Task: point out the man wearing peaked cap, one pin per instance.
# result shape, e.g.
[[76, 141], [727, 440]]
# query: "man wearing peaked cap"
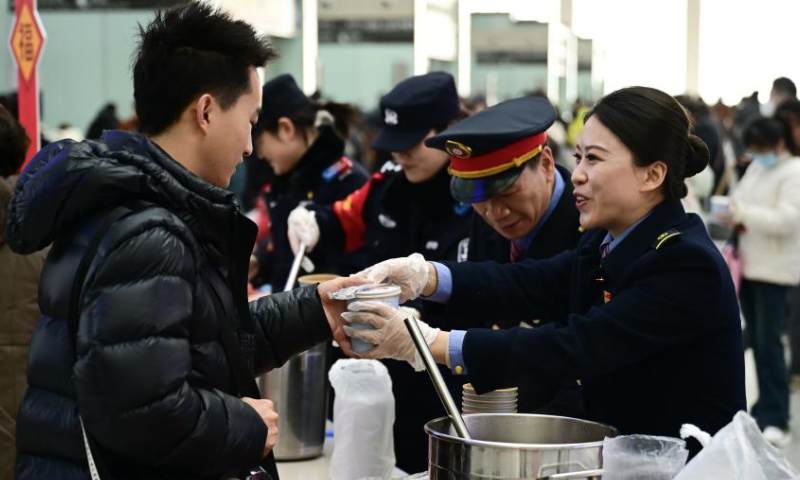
[[501, 164]]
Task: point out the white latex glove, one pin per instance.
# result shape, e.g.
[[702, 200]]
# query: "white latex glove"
[[303, 228], [390, 337], [409, 273]]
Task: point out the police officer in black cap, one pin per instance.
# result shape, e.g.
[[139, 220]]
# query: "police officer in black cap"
[[303, 141], [501, 164], [404, 208]]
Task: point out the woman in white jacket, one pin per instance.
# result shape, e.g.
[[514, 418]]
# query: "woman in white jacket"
[[765, 211]]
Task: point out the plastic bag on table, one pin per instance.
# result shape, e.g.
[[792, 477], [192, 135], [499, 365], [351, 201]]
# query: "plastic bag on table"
[[363, 416], [738, 452], [643, 457]]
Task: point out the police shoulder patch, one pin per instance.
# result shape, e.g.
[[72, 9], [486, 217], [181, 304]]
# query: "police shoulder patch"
[[665, 238]]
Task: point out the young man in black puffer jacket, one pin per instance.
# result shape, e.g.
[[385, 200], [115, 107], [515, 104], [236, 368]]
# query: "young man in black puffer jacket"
[[152, 383]]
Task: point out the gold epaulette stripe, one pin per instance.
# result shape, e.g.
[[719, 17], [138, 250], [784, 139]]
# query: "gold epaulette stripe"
[[661, 242]]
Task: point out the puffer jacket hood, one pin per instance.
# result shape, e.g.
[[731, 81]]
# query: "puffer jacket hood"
[[68, 182]]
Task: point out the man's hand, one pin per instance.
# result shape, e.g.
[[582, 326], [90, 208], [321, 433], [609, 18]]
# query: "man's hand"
[[334, 308], [266, 410], [412, 274]]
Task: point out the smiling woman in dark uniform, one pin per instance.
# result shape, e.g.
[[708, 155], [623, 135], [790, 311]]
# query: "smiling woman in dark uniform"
[[649, 318]]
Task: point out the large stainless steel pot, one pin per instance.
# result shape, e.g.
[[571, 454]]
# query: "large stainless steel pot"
[[299, 391], [516, 446]]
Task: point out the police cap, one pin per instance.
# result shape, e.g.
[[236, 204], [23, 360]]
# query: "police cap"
[[489, 149], [413, 107], [280, 97]]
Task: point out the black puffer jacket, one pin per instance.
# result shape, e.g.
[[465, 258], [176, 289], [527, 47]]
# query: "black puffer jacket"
[[152, 381]]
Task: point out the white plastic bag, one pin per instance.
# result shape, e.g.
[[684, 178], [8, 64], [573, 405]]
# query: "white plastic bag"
[[643, 457], [738, 452], [363, 416]]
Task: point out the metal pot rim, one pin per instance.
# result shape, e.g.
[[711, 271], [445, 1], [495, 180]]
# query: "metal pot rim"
[[517, 446]]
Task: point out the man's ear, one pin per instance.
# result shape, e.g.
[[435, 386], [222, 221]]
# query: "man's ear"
[[203, 108], [547, 162]]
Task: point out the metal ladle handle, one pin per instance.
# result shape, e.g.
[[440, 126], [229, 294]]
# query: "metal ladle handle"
[[436, 378], [298, 258]]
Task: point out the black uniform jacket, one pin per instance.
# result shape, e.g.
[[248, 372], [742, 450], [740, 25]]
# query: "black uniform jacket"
[[390, 217], [306, 183], [152, 382], [652, 331]]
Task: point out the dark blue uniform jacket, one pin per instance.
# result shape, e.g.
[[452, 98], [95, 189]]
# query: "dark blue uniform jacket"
[[652, 331]]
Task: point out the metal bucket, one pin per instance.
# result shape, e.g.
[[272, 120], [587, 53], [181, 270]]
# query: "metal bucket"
[[299, 390], [516, 446]]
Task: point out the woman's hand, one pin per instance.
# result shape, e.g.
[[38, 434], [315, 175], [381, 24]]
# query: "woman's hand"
[[303, 229], [390, 337], [727, 217]]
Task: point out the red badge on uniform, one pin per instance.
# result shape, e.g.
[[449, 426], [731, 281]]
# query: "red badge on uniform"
[[606, 296]]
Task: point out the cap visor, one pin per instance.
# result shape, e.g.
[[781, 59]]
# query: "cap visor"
[[482, 189], [397, 141]]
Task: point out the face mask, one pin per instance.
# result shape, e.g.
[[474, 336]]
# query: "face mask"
[[767, 160]]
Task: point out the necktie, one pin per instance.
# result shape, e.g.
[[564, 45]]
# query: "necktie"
[[516, 252]]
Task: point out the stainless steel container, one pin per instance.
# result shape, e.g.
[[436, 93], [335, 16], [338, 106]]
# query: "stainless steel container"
[[516, 446], [299, 391]]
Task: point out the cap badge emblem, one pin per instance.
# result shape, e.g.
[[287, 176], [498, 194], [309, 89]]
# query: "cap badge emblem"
[[390, 117], [458, 150]]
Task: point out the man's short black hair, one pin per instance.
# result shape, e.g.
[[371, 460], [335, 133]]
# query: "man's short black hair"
[[188, 51], [785, 86]]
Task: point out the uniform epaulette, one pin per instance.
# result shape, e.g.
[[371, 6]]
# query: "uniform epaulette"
[[667, 237]]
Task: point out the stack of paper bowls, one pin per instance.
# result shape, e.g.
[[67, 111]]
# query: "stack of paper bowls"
[[496, 401]]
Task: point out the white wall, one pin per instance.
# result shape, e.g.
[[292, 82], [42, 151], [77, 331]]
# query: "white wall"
[[644, 41], [744, 46], [360, 73], [85, 63]]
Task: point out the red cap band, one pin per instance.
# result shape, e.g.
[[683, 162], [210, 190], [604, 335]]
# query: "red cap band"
[[498, 161]]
